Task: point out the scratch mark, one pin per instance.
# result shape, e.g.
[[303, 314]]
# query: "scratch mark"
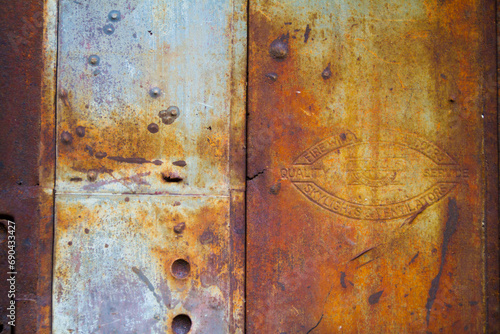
[[364, 264], [410, 220], [309, 331], [134, 178], [205, 105], [361, 254], [400, 80], [306, 112], [414, 258], [450, 229], [409, 100], [150, 286]]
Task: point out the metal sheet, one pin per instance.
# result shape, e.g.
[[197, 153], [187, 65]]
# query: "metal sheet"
[[27, 58], [151, 102], [366, 193], [117, 76], [115, 272]]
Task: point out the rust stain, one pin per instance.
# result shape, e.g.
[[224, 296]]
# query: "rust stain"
[[450, 229], [359, 216]]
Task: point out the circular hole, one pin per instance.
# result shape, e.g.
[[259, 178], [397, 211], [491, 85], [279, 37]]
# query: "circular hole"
[[180, 269], [181, 324]]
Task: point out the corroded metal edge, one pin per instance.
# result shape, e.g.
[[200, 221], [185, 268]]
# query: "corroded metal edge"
[[27, 150], [491, 63], [47, 166]]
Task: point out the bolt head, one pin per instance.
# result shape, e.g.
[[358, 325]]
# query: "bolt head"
[[92, 176], [114, 15], [155, 92], [94, 60], [66, 137]]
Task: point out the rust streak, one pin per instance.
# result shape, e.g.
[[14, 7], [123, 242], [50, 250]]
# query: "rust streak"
[[451, 227], [143, 278]]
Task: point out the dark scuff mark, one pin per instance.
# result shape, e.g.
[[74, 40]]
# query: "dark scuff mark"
[[450, 229], [342, 279], [90, 150], [136, 160], [76, 179], [101, 155], [150, 286], [310, 331], [306, 34], [414, 258], [326, 74], [180, 163], [374, 298]]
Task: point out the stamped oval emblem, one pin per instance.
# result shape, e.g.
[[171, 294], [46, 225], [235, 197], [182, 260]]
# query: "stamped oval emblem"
[[386, 175]]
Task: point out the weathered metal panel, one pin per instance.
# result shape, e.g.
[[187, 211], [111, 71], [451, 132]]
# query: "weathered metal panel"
[[366, 166], [150, 166], [117, 79], [114, 263], [27, 84]]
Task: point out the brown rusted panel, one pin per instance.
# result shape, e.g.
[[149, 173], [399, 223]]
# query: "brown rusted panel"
[[23, 196], [366, 167]]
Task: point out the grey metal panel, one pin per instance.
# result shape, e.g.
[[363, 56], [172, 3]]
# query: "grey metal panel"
[[183, 48], [113, 263]]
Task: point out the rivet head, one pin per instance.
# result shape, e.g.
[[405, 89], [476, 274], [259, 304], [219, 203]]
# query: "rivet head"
[[275, 188], [170, 115], [80, 131], [179, 228], [115, 15], [272, 76], [66, 137], [153, 128], [94, 60], [327, 72], [155, 92], [108, 29], [92, 175], [279, 47]]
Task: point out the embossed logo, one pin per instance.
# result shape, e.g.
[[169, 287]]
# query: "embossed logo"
[[386, 175]]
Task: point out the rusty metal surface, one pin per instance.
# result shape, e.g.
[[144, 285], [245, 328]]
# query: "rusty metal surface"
[[117, 90], [150, 167], [25, 193], [114, 272], [366, 167]]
